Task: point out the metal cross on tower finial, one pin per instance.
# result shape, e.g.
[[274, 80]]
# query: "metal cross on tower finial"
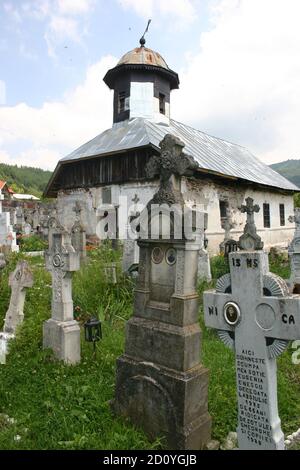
[[250, 240], [143, 40]]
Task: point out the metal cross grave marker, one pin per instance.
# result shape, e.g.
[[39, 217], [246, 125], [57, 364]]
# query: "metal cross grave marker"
[[255, 315]]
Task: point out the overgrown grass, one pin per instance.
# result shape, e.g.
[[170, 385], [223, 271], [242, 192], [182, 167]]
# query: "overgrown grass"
[[59, 407], [32, 243]]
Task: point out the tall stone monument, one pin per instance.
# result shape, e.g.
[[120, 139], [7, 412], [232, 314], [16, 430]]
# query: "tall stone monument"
[[62, 333], [161, 384], [255, 316], [294, 253]]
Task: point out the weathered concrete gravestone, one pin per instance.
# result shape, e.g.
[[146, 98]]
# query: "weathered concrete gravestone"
[[255, 315], [20, 279], [161, 384], [62, 333], [294, 253], [27, 229], [110, 273]]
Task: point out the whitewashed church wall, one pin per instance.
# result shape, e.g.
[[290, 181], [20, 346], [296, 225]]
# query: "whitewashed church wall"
[[196, 190], [207, 194]]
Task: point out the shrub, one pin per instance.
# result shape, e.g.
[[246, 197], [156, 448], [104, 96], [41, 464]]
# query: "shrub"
[[32, 243], [219, 266]]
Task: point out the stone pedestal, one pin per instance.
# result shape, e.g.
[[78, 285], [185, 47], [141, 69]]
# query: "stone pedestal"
[[164, 402], [161, 385], [63, 337]]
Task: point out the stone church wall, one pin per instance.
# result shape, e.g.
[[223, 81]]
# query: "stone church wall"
[[203, 192]]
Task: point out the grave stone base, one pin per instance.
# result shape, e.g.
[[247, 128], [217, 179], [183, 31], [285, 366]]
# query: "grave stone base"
[[164, 402], [64, 339]]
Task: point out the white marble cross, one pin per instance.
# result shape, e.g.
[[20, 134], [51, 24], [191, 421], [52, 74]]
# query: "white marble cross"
[[255, 315], [61, 332], [20, 279]]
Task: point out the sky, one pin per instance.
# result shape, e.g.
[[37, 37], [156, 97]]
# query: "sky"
[[237, 60]]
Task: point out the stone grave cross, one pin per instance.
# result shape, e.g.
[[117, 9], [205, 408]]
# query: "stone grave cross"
[[20, 279], [62, 332], [250, 240], [255, 315], [78, 233]]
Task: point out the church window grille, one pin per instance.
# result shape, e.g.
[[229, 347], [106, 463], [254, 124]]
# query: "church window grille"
[[121, 103], [282, 214], [162, 103], [266, 214]]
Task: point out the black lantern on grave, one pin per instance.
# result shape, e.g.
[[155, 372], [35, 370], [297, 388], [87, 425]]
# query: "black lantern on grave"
[[93, 331]]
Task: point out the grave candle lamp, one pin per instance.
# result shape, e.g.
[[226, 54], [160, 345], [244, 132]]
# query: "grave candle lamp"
[[93, 331]]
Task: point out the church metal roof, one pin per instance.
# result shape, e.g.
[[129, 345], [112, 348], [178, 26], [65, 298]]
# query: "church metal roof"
[[212, 154]]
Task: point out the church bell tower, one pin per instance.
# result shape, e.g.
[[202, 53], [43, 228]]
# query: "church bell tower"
[[142, 84]]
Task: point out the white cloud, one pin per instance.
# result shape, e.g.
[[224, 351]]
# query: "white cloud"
[[64, 19], [183, 10], [61, 29], [12, 11], [74, 7], [2, 92], [41, 136], [243, 84]]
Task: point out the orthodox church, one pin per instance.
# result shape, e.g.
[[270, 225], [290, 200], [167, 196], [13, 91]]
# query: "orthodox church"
[[112, 165]]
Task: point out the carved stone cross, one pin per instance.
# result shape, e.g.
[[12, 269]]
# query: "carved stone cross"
[[78, 233], [170, 165], [250, 240], [20, 279], [61, 332], [254, 315]]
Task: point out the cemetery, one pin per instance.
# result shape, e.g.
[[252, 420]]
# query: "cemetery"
[[150, 283], [94, 358]]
